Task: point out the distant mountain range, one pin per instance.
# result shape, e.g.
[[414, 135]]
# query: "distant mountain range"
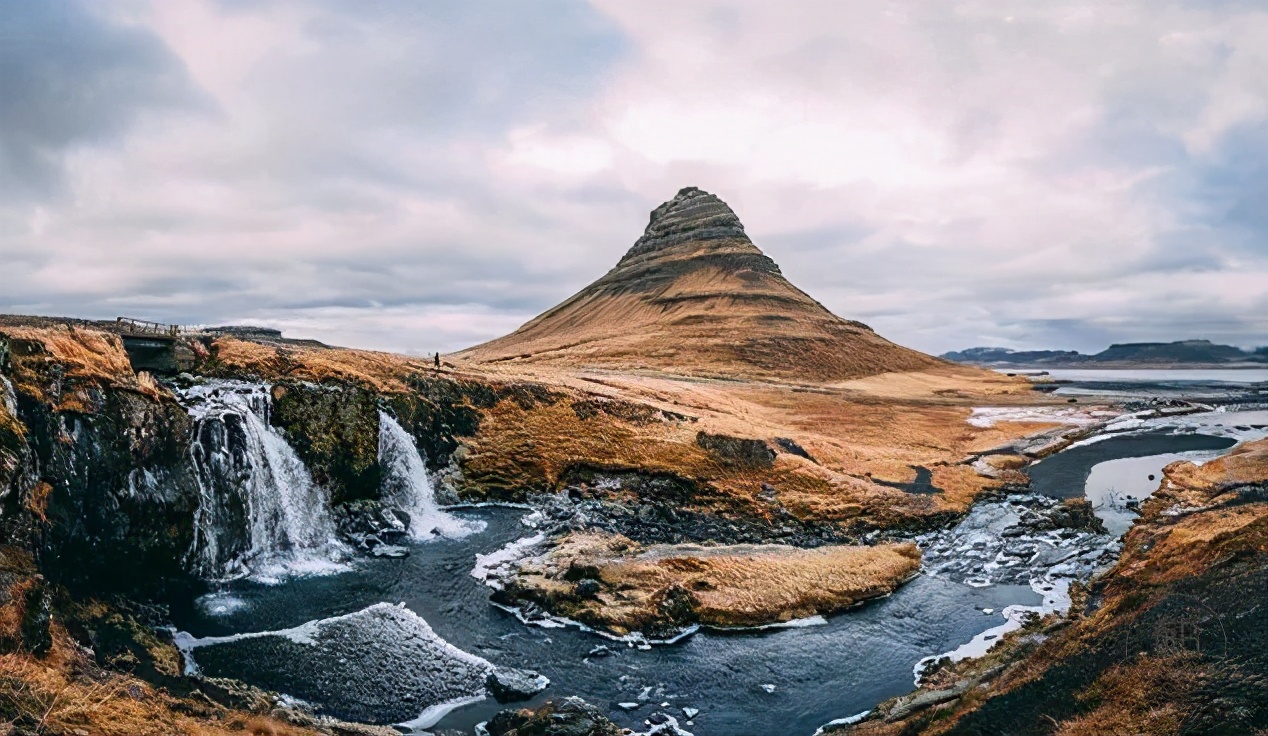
[[1183, 352]]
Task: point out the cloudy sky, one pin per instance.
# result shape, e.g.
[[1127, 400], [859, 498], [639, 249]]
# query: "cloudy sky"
[[416, 176]]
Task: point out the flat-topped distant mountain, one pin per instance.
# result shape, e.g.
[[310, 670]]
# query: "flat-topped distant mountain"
[[1180, 353], [695, 296]]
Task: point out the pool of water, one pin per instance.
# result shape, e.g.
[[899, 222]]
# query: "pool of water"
[[1065, 475]]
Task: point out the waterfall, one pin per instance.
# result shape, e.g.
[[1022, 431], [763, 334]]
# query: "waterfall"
[[260, 513], [406, 486]]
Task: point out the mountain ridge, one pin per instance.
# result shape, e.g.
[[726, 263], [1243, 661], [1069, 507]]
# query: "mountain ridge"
[[1179, 352]]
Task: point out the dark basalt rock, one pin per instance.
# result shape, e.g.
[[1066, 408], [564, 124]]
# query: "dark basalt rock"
[[508, 685], [693, 214], [367, 525], [792, 448], [588, 588], [737, 450], [37, 615], [107, 490], [567, 717], [335, 431]]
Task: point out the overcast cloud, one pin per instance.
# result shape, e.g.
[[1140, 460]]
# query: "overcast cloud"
[[422, 176]]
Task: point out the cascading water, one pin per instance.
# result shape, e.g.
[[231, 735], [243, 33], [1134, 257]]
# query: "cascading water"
[[260, 513], [406, 487]]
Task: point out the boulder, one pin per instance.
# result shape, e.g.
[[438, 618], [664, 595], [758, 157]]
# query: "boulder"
[[567, 717], [508, 685]]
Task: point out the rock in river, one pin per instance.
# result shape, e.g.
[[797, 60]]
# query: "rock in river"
[[508, 685]]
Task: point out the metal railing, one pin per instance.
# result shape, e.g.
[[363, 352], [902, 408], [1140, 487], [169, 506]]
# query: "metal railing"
[[130, 326]]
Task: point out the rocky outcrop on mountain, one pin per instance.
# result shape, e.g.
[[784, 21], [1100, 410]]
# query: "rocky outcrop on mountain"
[[693, 214], [694, 295]]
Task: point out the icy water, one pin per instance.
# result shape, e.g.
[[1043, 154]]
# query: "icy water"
[[1115, 486], [1217, 386], [818, 673], [1159, 375]]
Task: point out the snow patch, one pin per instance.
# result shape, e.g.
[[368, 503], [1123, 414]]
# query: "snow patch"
[[989, 416], [492, 568]]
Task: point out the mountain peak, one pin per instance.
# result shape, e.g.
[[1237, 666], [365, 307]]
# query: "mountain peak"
[[695, 296], [693, 214]]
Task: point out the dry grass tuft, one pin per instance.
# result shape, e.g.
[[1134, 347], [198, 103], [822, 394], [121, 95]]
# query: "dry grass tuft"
[[84, 352], [37, 500], [385, 372], [66, 693], [1140, 698]]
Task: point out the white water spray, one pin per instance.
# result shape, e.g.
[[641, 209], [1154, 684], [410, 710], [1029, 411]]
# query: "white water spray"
[[260, 513], [406, 486]]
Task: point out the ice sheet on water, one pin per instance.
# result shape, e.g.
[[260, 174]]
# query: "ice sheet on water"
[[1056, 599], [383, 660], [491, 568]]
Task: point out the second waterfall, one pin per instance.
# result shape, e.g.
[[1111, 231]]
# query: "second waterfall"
[[406, 486]]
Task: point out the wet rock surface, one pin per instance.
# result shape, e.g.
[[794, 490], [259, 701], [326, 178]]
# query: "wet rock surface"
[[335, 430], [369, 525], [654, 522], [1018, 539], [574, 717], [508, 685], [132, 511]]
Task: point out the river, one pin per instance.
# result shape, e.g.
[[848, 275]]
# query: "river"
[[754, 683]]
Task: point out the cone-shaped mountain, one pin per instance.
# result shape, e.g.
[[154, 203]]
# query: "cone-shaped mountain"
[[695, 296]]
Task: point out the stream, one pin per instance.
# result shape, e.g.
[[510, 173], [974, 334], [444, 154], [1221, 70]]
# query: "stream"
[[337, 647]]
